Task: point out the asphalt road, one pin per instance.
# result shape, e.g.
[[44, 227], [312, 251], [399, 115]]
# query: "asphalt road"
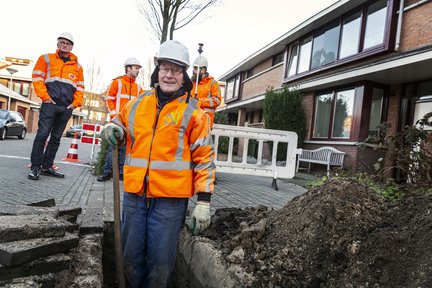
[[16, 188]]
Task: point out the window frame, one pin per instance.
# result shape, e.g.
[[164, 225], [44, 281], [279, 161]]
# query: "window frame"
[[388, 41], [330, 131], [236, 90], [360, 114]]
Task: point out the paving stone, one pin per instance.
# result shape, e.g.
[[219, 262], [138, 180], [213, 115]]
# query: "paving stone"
[[18, 252], [28, 210], [21, 227], [66, 209], [44, 203], [44, 265], [91, 221]]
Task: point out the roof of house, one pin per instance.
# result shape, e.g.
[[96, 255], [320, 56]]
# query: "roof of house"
[[278, 45], [22, 71]]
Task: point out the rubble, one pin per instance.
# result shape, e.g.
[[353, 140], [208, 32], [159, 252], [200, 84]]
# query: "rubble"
[[342, 234], [41, 246]]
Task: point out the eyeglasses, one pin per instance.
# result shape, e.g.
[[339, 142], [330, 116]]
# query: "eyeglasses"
[[65, 43], [175, 71]]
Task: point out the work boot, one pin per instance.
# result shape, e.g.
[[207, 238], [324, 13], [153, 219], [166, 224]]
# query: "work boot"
[[34, 174], [104, 177], [51, 172]]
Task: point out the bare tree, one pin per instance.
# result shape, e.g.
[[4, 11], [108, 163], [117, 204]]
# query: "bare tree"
[[144, 75], [166, 16], [94, 87]]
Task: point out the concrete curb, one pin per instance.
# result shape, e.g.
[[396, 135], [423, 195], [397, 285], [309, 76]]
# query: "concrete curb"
[[199, 264]]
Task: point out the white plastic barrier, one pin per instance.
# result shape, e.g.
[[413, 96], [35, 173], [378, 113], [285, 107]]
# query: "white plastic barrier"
[[261, 168]]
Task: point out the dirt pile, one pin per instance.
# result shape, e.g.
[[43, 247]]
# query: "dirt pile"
[[339, 235]]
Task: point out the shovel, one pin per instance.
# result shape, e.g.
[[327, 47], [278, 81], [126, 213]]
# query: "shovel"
[[117, 232]]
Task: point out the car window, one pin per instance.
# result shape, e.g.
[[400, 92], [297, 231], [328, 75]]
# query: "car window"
[[3, 114], [12, 117], [18, 117]]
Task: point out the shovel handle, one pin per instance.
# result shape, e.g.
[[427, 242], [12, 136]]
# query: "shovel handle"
[[117, 231]]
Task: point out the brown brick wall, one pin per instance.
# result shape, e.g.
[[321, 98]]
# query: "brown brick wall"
[[259, 84], [416, 27], [262, 66]]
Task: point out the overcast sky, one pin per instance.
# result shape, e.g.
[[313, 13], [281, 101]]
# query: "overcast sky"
[[109, 31]]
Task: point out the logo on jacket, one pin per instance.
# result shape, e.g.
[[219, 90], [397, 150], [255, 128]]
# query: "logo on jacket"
[[172, 119], [72, 76]]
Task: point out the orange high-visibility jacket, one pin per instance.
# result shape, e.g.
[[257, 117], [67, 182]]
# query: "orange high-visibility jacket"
[[209, 95], [172, 148], [122, 90], [63, 82]]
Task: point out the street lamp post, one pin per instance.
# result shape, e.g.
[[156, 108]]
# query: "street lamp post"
[[11, 71]]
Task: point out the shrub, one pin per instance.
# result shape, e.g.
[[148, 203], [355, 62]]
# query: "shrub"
[[283, 110]]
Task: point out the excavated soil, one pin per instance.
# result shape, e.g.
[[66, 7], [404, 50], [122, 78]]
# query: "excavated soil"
[[341, 234]]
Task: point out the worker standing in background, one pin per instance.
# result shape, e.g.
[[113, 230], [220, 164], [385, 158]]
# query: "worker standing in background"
[[121, 91], [208, 92], [59, 81]]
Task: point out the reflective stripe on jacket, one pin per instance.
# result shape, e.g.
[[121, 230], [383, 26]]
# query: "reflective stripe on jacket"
[[209, 95], [63, 82], [172, 146], [122, 90]]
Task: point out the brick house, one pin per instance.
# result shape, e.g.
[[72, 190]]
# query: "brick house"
[[358, 63]]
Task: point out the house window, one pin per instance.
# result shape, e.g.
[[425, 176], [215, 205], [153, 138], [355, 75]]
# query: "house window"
[[333, 115], [25, 89], [305, 55], [292, 64], [325, 46], [249, 73], [229, 89], [375, 24], [278, 58], [233, 88], [350, 35], [17, 87], [376, 111], [362, 33]]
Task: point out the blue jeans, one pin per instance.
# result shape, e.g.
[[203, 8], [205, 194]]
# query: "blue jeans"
[[52, 120], [108, 160], [150, 235]]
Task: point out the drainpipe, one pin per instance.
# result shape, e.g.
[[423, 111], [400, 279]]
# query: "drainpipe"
[[399, 25]]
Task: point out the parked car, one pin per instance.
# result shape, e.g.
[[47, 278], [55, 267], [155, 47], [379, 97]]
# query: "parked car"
[[78, 129], [12, 124]]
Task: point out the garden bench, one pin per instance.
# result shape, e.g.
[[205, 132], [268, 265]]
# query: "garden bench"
[[325, 155]]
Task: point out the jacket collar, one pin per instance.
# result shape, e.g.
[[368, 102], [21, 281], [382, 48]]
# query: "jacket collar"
[[72, 56], [128, 79]]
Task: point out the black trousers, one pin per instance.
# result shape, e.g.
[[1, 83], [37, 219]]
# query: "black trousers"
[[52, 120]]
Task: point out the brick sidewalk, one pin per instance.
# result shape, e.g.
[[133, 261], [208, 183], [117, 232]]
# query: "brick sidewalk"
[[80, 188]]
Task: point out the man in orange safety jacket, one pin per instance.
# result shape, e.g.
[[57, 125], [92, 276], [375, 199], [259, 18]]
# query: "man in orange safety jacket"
[[121, 91], [58, 80], [169, 159], [208, 92]]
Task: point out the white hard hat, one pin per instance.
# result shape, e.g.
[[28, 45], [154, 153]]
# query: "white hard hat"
[[173, 51], [67, 36], [132, 61], [200, 61]]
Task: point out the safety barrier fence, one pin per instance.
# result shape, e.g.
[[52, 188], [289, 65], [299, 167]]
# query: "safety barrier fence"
[[254, 151]]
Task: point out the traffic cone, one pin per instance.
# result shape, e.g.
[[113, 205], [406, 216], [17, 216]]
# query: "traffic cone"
[[72, 155]]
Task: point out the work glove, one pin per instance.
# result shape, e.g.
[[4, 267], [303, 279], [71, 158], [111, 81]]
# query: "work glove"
[[113, 134], [200, 217]]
